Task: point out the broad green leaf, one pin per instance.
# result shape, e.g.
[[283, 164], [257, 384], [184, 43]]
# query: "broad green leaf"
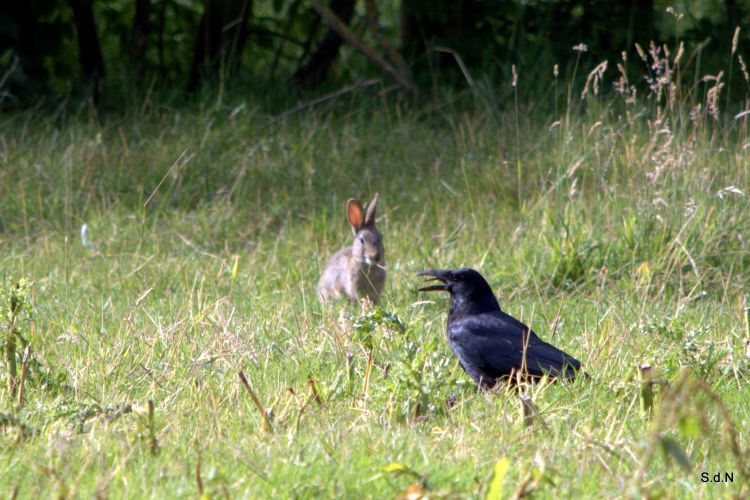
[[235, 266], [395, 467], [496, 486]]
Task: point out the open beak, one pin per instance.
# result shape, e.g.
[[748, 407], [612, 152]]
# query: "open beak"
[[436, 275]]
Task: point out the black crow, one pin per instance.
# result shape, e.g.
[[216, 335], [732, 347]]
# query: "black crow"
[[489, 344]]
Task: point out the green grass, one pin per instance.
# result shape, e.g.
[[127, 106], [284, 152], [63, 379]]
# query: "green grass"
[[212, 225]]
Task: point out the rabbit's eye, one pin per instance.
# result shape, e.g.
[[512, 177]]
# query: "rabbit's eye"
[[361, 239]]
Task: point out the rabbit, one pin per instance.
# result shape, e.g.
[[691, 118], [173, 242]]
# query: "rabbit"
[[358, 271]]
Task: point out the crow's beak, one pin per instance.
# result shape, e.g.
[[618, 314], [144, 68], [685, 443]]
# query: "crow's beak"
[[436, 275]]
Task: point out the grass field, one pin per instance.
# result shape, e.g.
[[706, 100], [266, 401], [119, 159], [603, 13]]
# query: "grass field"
[[617, 230]]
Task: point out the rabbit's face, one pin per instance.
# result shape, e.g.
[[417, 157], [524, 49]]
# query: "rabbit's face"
[[368, 247]]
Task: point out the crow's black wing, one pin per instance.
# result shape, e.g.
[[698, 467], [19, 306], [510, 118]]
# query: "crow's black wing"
[[540, 356], [483, 358], [492, 345]]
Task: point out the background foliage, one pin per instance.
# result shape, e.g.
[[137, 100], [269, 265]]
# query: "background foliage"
[[110, 49]]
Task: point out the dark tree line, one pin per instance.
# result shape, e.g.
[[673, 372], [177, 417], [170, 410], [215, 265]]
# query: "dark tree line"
[[77, 45]]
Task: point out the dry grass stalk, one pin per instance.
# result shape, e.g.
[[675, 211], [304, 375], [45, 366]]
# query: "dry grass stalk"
[[266, 421]]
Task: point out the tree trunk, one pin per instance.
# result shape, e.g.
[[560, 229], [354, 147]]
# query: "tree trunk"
[[160, 40], [24, 25], [89, 50], [312, 73], [141, 25], [416, 28], [640, 25], [459, 25], [221, 37], [734, 14]]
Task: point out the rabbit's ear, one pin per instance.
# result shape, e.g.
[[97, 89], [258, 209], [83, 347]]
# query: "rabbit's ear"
[[355, 214], [371, 208]]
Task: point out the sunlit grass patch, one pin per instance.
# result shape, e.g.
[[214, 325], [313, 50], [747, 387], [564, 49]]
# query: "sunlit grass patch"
[[624, 242]]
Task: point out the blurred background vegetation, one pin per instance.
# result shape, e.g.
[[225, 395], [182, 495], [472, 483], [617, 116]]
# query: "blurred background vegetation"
[[110, 50]]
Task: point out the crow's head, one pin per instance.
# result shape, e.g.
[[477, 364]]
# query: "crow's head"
[[454, 280], [469, 291]]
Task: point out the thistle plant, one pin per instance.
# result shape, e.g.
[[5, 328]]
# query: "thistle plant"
[[15, 310]]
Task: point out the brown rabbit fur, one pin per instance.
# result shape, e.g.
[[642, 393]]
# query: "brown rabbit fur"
[[357, 271]]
